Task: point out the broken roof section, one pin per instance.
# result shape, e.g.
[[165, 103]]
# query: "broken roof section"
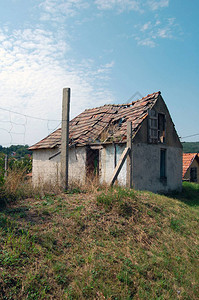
[[188, 158], [103, 124]]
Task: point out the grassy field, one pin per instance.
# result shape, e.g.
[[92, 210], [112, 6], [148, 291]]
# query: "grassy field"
[[109, 244]]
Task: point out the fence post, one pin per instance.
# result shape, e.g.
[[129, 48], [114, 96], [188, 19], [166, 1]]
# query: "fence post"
[[129, 157], [65, 137], [6, 165]]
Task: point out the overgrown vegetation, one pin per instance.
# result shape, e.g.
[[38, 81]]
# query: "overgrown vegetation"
[[13, 180], [190, 147], [18, 158], [108, 244], [18, 151], [15, 186]]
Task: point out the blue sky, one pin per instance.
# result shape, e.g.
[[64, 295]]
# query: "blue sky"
[[106, 51]]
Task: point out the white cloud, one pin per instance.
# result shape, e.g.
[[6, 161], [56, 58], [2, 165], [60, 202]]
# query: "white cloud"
[[157, 4], [55, 10], [106, 68], [120, 5], [150, 32], [145, 26], [2, 36], [128, 5], [33, 72], [146, 42]]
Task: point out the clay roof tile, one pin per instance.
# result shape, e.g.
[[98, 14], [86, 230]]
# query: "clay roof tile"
[[109, 120]]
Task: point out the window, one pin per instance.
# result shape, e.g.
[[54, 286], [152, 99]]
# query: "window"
[[163, 164], [193, 174], [156, 127]]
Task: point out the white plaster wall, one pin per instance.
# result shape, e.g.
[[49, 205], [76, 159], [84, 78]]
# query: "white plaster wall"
[[45, 170], [146, 168], [122, 174], [107, 164], [77, 164], [48, 171]]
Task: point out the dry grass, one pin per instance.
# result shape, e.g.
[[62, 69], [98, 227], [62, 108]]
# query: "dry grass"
[[91, 186], [17, 185], [14, 180], [104, 244]]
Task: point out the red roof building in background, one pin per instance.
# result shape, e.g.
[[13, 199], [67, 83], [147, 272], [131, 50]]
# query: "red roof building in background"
[[190, 167]]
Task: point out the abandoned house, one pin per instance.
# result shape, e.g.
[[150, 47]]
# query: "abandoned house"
[[190, 167], [98, 138]]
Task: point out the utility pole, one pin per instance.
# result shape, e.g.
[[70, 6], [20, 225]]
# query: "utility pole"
[[129, 157], [65, 137]]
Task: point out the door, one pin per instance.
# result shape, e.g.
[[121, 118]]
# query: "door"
[[92, 163]]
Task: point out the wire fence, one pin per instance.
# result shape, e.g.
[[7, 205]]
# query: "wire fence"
[[16, 128], [13, 127]]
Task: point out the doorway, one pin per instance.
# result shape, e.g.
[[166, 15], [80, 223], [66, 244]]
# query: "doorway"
[[92, 163]]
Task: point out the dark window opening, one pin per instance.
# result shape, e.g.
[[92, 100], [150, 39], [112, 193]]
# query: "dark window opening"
[[193, 174], [161, 128], [120, 122], [92, 163], [163, 164]]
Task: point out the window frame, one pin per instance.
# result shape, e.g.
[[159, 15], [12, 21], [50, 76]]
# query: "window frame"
[[152, 126], [154, 129]]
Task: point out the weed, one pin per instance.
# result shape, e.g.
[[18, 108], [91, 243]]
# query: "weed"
[[177, 225], [75, 190], [117, 197], [116, 232], [125, 209]]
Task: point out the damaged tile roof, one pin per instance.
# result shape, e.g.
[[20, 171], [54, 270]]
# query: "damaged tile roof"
[[102, 124], [188, 158]]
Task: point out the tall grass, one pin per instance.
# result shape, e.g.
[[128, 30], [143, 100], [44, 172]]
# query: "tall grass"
[[16, 185]]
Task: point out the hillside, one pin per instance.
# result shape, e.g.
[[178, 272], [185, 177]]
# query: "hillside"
[[190, 147], [17, 151], [109, 244]]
